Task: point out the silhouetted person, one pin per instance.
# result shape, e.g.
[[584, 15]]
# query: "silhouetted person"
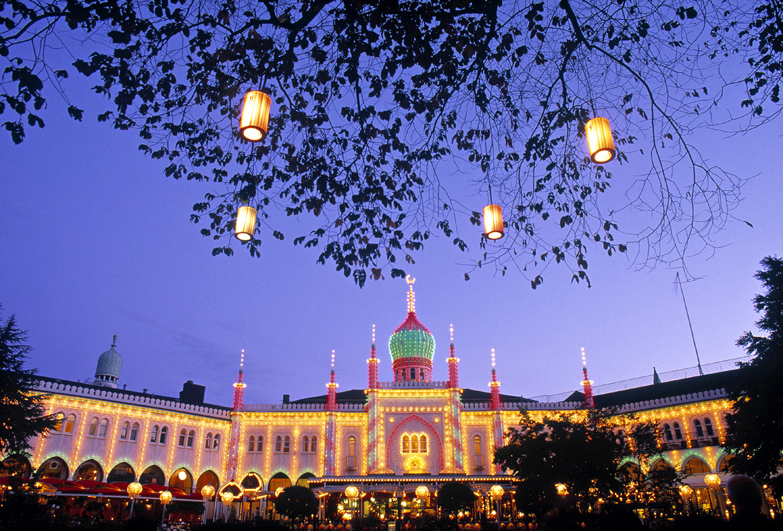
[[745, 494]]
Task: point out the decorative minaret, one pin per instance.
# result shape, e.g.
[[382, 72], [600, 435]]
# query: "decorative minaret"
[[331, 424], [497, 416], [452, 423], [412, 346], [587, 385], [453, 362], [372, 365], [234, 443], [374, 418], [494, 386]]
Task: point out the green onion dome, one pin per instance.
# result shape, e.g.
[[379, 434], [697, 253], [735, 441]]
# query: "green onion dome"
[[411, 340]]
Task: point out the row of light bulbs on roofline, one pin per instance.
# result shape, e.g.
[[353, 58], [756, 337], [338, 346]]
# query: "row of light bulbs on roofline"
[[254, 123]]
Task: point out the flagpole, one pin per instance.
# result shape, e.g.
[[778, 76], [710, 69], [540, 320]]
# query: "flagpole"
[[688, 315]]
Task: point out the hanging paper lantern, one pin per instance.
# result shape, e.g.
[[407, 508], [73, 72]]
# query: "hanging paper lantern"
[[493, 222], [254, 121], [599, 140], [246, 223]]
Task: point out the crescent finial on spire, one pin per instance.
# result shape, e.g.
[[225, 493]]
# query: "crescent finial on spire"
[[411, 295]]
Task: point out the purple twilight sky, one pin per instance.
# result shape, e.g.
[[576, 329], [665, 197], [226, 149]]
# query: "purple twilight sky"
[[95, 241]]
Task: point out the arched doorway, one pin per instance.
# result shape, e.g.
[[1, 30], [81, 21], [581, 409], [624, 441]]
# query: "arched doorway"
[[182, 479], [153, 474], [207, 478], [89, 470], [121, 472], [53, 468], [279, 480], [694, 465], [302, 481], [16, 465]]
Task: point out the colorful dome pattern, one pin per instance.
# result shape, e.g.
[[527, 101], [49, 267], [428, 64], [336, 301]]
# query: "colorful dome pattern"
[[411, 340]]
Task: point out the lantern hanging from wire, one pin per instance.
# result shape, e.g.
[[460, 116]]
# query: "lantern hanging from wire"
[[599, 140], [254, 122], [245, 226], [493, 222]]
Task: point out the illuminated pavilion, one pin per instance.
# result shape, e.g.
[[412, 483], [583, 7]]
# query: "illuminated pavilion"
[[387, 439]]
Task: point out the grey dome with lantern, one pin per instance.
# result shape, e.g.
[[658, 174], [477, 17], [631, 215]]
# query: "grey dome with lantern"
[[107, 373]]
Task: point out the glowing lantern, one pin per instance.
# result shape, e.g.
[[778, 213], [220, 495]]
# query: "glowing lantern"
[[227, 498], [422, 492], [496, 492], [686, 491], [254, 121], [245, 226], [207, 491], [562, 490], [351, 492], [712, 480], [134, 489], [599, 140], [182, 475], [165, 497], [493, 222]]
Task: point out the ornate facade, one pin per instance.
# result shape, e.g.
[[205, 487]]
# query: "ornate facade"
[[388, 437]]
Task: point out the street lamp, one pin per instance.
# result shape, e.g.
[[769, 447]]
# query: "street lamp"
[[423, 494], [351, 493], [497, 494], [227, 498], [207, 491], [713, 482], [134, 489], [165, 499]]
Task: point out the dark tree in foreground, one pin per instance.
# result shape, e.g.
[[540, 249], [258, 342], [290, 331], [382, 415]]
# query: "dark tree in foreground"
[[21, 409], [454, 497], [297, 502], [756, 421], [393, 121], [582, 453]]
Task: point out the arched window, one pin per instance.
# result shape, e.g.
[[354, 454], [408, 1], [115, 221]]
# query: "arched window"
[[103, 428], [313, 444], [677, 431], [182, 436], [251, 444], [208, 446], [163, 432], [216, 442], [423, 444], [278, 444], [191, 437], [406, 444], [69, 423], [414, 444], [667, 432], [478, 457], [352, 446], [708, 427], [93, 430], [134, 431], [58, 419], [260, 443], [124, 431], [154, 434], [286, 444], [305, 444], [699, 429]]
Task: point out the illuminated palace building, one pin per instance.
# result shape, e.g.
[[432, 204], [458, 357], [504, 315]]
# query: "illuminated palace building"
[[387, 439]]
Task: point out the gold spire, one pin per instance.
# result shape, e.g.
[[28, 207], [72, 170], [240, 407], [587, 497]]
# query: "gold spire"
[[411, 295]]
